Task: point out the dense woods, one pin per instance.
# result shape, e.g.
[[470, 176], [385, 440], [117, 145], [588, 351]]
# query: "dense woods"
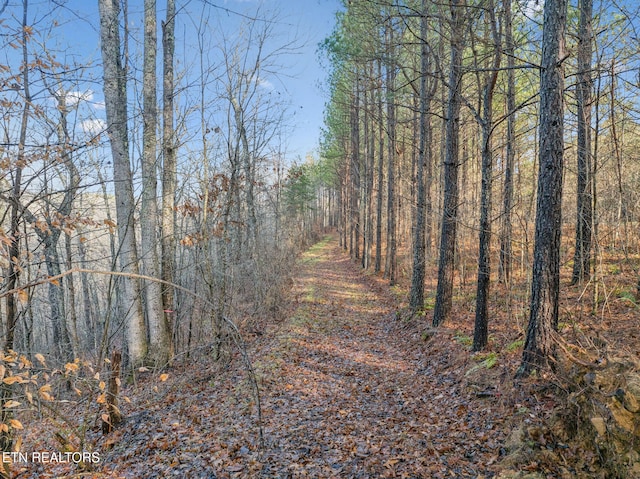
[[497, 116], [478, 156], [180, 195]]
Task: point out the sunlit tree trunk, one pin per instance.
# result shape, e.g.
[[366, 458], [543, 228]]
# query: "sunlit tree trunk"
[[158, 334], [115, 95]]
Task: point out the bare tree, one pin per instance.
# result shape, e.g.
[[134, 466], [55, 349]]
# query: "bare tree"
[[169, 166], [115, 89], [158, 333]]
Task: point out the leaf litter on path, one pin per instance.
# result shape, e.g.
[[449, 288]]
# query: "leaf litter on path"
[[347, 391]]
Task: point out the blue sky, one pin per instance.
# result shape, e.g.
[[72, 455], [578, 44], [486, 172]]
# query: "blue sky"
[[300, 77]]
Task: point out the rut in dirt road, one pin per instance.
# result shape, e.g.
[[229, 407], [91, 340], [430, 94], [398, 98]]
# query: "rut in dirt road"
[[356, 396]]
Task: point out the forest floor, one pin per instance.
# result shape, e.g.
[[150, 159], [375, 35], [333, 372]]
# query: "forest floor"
[[349, 388]]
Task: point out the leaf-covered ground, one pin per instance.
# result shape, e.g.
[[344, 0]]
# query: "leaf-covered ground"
[[345, 391], [348, 389]]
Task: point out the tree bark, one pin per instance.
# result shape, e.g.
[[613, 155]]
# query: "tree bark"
[[158, 334], [444, 291], [115, 96], [506, 251], [391, 259], [545, 288], [416, 294], [584, 210], [169, 169], [380, 183], [481, 327]]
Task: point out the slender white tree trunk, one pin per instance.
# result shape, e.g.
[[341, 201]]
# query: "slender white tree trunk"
[[115, 95], [158, 334]]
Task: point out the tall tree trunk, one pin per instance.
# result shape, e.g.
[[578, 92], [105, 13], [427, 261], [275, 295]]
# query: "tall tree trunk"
[[506, 251], [13, 274], [366, 174], [356, 168], [444, 291], [584, 220], [391, 259], [545, 288], [378, 261], [115, 95], [158, 333], [481, 328], [169, 169], [416, 295]]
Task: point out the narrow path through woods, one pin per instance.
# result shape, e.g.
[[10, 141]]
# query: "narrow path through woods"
[[347, 391], [348, 395]]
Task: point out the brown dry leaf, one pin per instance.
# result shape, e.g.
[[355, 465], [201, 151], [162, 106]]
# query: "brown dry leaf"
[[15, 424], [71, 367], [23, 296], [44, 392], [41, 359]]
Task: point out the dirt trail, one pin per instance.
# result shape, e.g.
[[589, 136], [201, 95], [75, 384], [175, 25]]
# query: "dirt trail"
[[347, 391], [350, 395]]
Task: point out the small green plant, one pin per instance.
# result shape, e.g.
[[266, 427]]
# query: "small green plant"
[[517, 344], [627, 296], [429, 303], [463, 339], [489, 360], [398, 291]]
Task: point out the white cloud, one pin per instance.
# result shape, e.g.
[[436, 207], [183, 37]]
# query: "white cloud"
[[532, 7], [266, 84], [93, 126], [72, 98]]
